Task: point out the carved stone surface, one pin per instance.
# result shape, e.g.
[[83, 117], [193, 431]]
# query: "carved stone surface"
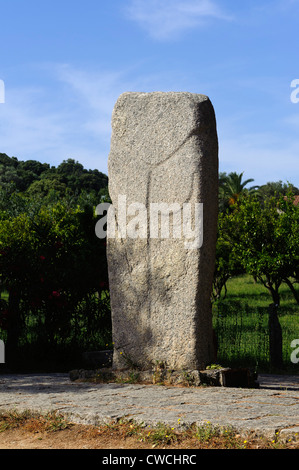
[[164, 149]]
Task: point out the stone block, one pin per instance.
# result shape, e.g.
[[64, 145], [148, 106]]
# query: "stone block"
[[163, 182], [97, 359]]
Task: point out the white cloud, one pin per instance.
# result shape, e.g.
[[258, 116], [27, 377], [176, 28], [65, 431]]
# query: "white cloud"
[[25, 124], [68, 115], [164, 19], [94, 92], [57, 121]]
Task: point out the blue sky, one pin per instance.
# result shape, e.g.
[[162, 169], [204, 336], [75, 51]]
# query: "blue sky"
[[64, 63]]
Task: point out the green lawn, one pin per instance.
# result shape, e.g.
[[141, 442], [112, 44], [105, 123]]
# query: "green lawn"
[[241, 324]]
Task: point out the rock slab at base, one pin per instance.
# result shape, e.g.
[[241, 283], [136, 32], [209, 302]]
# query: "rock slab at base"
[[225, 377], [164, 149], [97, 359]]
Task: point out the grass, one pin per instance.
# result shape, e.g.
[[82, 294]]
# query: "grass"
[[241, 324], [204, 436], [32, 422], [137, 435]]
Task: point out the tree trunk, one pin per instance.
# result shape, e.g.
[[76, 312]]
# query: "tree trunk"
[[13, 330], [289, 283], [275, 338]]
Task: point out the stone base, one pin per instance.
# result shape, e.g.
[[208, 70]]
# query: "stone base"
[[97, 359], [224, 377]]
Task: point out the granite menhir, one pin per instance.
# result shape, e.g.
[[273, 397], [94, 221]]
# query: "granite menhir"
[[162, 227]]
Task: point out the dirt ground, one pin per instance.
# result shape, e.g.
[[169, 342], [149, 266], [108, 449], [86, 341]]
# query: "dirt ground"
[[78, 437], [28, 436]]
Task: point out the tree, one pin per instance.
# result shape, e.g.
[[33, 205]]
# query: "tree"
[[276, 189], [226, 264], [50, 262], [79, 179], [42, 187], [231, 188], [40, 180], [34, 166], [265, 240]]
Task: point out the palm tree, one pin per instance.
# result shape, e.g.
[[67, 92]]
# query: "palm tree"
[[231, 188]]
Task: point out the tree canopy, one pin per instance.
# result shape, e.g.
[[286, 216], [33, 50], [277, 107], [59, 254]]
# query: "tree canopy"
[[40, 179]]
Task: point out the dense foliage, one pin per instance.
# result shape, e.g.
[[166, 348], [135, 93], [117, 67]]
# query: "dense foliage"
[[53, 269], [258, 232], [40, 179]]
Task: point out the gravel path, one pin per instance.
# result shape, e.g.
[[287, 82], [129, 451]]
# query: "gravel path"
[[271, 408]]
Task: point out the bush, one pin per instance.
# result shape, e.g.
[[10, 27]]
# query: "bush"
[[54, 274]]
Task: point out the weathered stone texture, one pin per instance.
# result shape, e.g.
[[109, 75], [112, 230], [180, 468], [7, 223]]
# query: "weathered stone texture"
[[164, 148]]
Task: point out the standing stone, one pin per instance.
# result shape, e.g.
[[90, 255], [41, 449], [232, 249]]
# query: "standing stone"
[[164, 149]]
